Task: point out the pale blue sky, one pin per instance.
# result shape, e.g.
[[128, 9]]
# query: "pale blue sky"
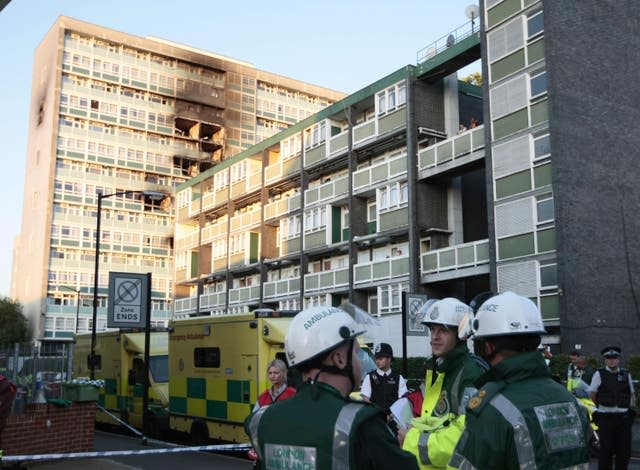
[[340, 44]]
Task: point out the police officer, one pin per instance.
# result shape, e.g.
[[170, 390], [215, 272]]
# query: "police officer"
[[612, 391], [320, 427], [520, 417], [448, 386], [383, 386]]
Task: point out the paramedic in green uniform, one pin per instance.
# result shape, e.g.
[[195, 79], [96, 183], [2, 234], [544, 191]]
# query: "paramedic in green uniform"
[[521, 417], [320, 427]]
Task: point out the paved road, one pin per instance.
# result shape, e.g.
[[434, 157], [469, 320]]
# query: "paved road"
[[179, 461]]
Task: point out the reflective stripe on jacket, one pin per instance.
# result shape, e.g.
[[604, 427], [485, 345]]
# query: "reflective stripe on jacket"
[[521, 418], [433, 436]]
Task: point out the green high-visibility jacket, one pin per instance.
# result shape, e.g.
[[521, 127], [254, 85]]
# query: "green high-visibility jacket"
[[433, 436], [522, 418], [320, 429]]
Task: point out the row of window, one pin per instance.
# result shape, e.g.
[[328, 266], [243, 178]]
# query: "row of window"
[[143, 137], [111, 237], [145, 262], [166, 62], [108, 214], [291, 94], [85, 280]]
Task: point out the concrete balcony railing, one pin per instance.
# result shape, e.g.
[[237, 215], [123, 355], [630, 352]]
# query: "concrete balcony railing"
[[214, 231], [274, 290], [246, 220], [452, 148], [371, 176], [187, 241], [282, 169], [213, 300], [328, 191], [244, 295], [282, 207], [364, 131], [326, 280], [455, 257], [213, 199], [185, 306], [381, 270]]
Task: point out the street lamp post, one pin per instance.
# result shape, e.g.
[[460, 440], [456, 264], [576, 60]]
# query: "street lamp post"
[[77, 291], [153, 195]]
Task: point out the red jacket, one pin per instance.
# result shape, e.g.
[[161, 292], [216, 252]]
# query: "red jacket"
[[265, 397]]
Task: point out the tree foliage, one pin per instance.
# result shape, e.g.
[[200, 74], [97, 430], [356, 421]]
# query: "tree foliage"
[[474, 78], [13, 324]]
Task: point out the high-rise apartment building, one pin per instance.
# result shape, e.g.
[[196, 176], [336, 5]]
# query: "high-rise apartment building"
[[117, 113], [560, 83]]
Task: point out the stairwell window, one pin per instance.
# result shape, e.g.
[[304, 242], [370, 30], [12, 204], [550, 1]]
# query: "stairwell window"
[[541, 147], [535, 25], [548, 276], [545, 209], [538, 84]]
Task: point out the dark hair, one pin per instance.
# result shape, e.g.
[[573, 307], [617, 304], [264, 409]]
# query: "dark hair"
[[575, 353], [515, 343]]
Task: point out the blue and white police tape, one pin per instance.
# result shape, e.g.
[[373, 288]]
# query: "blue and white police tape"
[[123, 453]]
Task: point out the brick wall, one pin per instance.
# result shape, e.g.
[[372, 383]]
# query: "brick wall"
[[46, 428]]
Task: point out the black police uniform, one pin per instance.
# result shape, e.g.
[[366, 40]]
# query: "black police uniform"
[[613, 414], [384, 389]]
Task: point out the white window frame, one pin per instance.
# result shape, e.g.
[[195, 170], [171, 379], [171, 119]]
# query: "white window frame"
[[535, 34], [533, 147], [390, 297], [392, 196], [391, 99], [315, 219], [315, 135], [532, 77], [542, 199], [541, 267]]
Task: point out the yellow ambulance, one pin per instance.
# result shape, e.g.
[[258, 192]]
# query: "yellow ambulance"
[[217, 369], [120, 364]]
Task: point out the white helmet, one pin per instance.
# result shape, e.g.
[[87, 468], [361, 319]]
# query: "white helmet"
[[317, 330], [448, 312], [507, 314]]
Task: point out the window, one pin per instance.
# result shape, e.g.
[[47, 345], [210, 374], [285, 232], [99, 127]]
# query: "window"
[[548, 276], [316, 134], [290, 227], [538, 84], [535, 25], [345, 216], [391, 99], [206, 357], [541, 146], [372, 212], [315, 219], [545, 208], [390, 298], [393, 196]]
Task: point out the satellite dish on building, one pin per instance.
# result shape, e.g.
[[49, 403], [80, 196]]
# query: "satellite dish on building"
[[472, 12]]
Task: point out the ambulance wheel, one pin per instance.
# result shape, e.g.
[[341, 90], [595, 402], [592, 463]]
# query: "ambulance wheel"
[[199, 433]]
